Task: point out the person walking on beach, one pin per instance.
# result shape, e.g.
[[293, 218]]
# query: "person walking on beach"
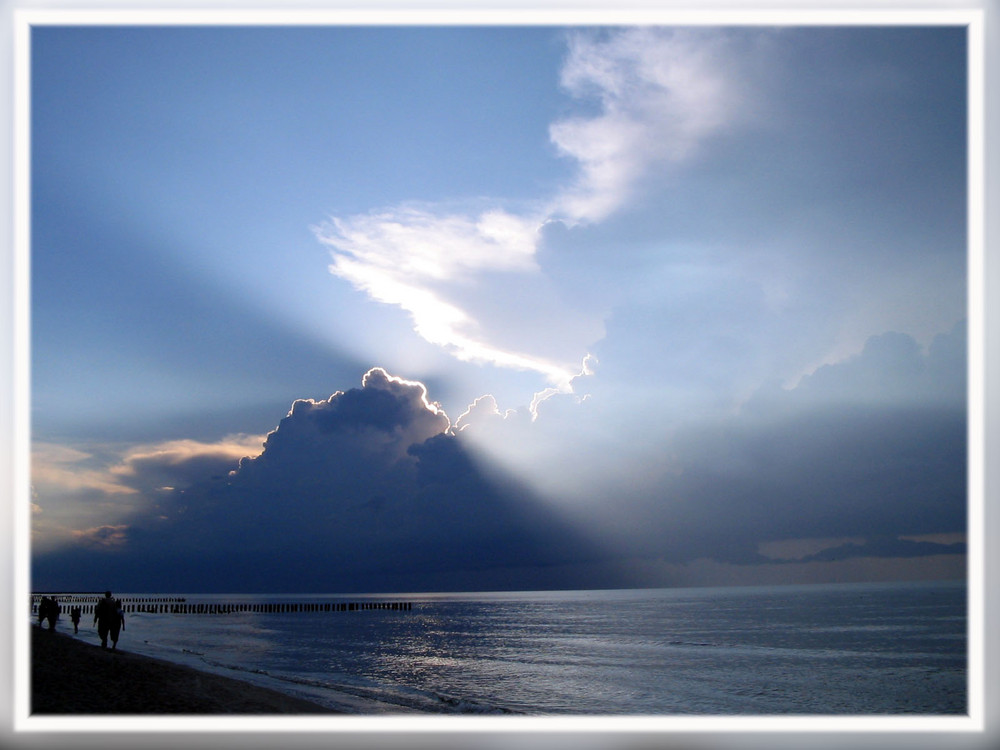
[[74, 615], [43, 610], [109, 619], [119, 622], [51, 611]]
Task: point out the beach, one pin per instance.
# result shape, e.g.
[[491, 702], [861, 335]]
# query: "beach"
[[69, 676]]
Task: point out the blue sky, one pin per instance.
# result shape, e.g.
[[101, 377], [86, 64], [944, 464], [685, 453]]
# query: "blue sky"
[[555, 306]]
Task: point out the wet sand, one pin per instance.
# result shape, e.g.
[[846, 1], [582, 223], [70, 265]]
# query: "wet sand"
[[69, 676]]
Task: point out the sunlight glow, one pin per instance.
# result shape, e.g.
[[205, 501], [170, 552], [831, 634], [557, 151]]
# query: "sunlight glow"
[[661, 93], [377, 377], [175, 452], [434, 319], [58, 468], [103, 536]]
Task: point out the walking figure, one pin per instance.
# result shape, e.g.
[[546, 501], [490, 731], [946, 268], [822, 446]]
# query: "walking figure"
[[119, 622], [43, 610], [110, 619], [48, 609], [74, 615]]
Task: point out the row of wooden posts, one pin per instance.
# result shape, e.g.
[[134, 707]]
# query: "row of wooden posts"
[[182, 607]]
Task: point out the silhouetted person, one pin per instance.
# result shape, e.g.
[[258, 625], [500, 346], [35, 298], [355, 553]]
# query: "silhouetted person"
[[74, 615], [43, 610], [109, 619], [117, 624], [54, 610]]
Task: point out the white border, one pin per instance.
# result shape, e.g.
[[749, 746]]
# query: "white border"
[[493, 16], [972, 18], [400, 724], [976, 409], [21, 364]]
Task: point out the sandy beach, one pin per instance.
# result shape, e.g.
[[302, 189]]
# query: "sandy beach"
[[69, 676]]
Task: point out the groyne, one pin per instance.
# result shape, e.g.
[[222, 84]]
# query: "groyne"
[[180, 605]]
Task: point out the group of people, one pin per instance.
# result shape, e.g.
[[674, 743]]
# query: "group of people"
[[109, 616]]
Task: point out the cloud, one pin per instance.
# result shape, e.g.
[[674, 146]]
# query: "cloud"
[[471, 279], [662, 93], [385, 417], [890, 370], [103, 536], [175, 463], [870, 446], [483, 411], [376, 488], [874, 446], [885, 547], [90, 496], [431, 246], [60, 468], [788, 551], [180, 463], [368, 488], [453, 272], [444, 267]]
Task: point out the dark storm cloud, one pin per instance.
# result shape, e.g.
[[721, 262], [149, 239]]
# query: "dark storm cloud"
[[373, 488], [368, 489], [831, 472], [872, 447]]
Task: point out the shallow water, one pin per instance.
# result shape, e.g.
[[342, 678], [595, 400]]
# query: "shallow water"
[[827, 649]]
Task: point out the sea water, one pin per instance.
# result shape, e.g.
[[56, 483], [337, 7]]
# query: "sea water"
[[818, 649]]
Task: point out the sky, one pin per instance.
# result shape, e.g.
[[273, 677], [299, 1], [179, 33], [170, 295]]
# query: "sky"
[[412, 308]]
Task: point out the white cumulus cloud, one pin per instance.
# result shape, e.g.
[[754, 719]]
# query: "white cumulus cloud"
[[660, 93]]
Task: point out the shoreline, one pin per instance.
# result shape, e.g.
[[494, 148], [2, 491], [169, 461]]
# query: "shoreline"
[[72, 677]]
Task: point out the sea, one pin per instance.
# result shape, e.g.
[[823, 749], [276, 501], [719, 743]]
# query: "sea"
[[830, 649]]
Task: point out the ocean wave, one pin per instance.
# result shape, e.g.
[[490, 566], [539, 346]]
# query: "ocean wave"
[[404, 697]]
